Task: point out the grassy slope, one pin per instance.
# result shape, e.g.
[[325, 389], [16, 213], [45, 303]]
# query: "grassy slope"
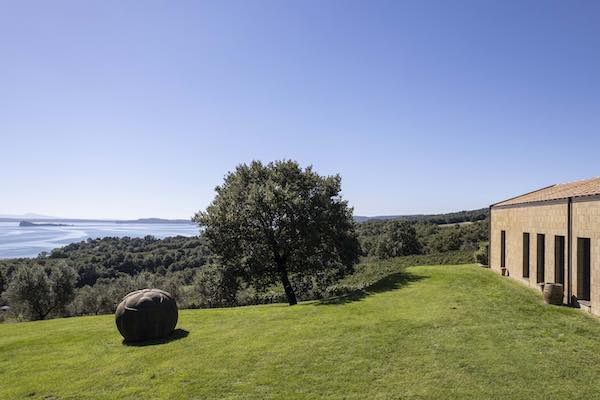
[[443, 332]]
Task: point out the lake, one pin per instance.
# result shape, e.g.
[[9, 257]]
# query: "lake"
[[16, 241]]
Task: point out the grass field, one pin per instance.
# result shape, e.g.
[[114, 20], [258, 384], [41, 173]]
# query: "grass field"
[[440, 332]]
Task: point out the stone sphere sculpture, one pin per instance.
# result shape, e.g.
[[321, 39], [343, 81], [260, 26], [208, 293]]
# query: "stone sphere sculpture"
[[146, 314]]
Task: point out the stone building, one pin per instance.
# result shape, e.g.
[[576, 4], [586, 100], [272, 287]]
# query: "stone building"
[[551, 235]]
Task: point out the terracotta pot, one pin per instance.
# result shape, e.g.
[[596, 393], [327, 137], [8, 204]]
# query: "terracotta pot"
[[553, 293]]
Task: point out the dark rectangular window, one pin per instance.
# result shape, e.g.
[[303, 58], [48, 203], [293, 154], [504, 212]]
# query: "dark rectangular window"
[[526, 255], [559, 259], [503, 249], [583, 268], [541, 258]]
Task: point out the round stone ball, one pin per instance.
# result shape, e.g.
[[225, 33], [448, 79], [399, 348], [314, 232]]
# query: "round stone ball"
[[146, 314]]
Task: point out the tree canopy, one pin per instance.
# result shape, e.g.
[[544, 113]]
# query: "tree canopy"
[[399, 239], [39, 292], [276, 220]]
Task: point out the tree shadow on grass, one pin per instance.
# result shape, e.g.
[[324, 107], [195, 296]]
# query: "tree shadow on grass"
[[390, 282], [176, 335]]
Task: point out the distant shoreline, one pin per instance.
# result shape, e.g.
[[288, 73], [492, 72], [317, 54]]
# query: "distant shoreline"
[[31, 241], [39, 221]]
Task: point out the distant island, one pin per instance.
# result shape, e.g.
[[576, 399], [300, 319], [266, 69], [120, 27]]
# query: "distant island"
[[29, 224]]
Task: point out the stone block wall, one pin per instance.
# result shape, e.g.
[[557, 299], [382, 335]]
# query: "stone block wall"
[[549, 219]]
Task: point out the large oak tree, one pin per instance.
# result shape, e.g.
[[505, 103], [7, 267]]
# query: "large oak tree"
[[278, 220]]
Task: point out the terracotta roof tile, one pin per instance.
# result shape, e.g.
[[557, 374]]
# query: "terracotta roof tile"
[[586, 187]]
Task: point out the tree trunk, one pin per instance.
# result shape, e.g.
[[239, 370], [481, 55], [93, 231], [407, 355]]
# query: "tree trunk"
[[287, 286]]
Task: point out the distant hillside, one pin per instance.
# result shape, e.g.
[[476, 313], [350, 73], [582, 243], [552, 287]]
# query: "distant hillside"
[[438, 219], [154, 221]]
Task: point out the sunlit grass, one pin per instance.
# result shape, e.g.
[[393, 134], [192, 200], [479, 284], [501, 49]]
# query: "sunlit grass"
[[441, 332]]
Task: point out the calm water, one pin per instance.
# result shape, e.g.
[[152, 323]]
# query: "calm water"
[[18, 241]]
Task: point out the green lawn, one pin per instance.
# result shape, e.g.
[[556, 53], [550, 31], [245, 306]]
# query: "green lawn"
[[440, 332]]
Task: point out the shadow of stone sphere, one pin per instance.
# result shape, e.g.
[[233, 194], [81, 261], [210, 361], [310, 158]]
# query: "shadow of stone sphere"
[[176, 335]]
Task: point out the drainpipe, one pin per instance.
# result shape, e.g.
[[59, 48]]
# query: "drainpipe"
[[490, 238], [570, 249]]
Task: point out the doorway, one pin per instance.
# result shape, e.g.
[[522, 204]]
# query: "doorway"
[[541, 258], [525, 255], [559, 259], [583, 269], [502, 249]]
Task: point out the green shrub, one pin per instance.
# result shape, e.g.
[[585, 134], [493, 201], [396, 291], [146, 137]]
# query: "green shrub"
[[481, 255], [215, 286], [39, 292]]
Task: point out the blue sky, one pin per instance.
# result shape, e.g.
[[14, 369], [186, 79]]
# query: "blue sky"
[[124, 109]]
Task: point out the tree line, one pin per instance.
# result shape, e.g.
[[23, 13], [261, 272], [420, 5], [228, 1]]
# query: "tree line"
[[386, 239], [437, 219]]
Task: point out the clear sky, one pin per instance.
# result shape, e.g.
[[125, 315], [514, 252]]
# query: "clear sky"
[[126, 109]]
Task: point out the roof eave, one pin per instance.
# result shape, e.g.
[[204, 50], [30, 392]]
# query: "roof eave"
[[521, 195]]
